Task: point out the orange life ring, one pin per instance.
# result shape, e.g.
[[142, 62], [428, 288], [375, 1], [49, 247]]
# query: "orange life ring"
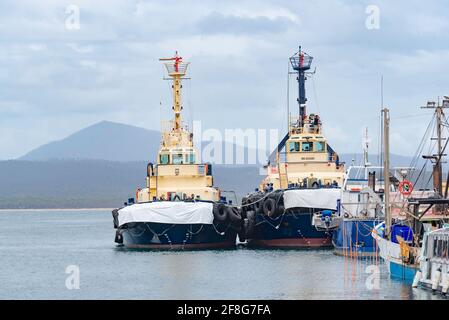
[[405, 187]]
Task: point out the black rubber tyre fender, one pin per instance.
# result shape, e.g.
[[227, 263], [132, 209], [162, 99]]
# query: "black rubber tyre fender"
[[244, 207], [280, 209], [258, 204], [234, 216], [115, 218], [249, 224], [269, 207], [220, 213], [118, 237]]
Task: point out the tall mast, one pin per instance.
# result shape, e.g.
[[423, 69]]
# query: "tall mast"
[[365, 153], [439, 173], [301, 62], [437, 158], [386, 133], [176, 70]]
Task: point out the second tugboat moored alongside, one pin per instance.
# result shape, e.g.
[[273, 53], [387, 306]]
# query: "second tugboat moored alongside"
[[296, 204]]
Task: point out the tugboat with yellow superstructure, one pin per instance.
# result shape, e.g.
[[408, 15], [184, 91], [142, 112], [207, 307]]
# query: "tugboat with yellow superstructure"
[[296, 204], [179, 208]]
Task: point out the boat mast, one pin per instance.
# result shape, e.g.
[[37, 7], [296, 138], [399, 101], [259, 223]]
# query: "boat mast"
[[437, 167], [365, 153], [386, 133], [176, 71], [301, 63]]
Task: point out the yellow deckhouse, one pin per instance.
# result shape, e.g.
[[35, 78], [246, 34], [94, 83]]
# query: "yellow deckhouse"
[[178, 175], [308, 161]]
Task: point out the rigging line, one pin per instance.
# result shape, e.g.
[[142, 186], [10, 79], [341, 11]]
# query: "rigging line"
[[381, 142], [379, 151], [382, 91], [439, 159], [381, 145], [315, 95], [424, 138], [415, 162], [288, 97], [406, 116], [420, 172], [421, 144]]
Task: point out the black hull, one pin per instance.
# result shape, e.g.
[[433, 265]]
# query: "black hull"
[[162, 236], [292, 230]]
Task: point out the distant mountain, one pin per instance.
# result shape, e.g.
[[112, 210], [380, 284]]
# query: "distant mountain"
[[102, 141], [94, 183], [113, 142]]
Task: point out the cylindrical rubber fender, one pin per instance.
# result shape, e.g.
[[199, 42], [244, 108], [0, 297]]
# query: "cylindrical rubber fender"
[[115, 218], [220, 213], [258, 204], [248, 202], [269, 207], [280, 209], [244, 207], [234, 216], [118, 237], [249, 224]]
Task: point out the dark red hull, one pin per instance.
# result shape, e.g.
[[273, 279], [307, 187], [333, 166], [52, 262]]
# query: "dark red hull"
[[314, 243]]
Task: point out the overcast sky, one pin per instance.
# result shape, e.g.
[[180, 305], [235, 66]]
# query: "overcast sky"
[[55, 80]]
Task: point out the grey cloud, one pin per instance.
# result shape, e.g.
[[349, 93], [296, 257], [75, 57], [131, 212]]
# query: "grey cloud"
[[218, 23]]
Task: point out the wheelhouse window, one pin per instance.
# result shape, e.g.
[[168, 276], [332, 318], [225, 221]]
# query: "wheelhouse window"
[[320, 146], [294, 146], [164, 159], [190, 158], [178, 158], [307, 146]]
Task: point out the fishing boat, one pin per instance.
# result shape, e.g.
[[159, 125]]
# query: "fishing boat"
[[361, 209], [295, 206], [434, 262], [400, 237], [179, 208]]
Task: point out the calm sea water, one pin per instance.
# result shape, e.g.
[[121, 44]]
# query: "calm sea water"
[[37, 246]]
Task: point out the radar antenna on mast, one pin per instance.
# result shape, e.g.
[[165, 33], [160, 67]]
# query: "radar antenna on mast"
[[301, 62], [176, 69]]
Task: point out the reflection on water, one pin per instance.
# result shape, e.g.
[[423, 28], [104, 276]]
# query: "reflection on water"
[[36, 247]]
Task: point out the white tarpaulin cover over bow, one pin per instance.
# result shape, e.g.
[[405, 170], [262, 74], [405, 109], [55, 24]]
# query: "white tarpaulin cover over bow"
[[312, 198], [168, 212]]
